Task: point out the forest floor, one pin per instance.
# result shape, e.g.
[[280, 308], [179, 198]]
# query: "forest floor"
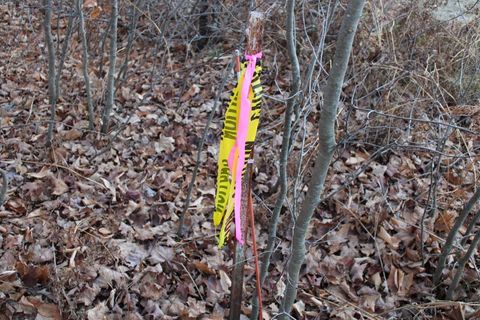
[[88, 230]]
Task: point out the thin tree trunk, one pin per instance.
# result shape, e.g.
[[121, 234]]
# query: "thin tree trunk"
[[236, 297], [461, 264], [287, 130], [111, 70], [101, 48], [51, 68], [57, 27], [122, 74], [326, 146], [470, 228], [63, 54], [83, 36], [452, 235]]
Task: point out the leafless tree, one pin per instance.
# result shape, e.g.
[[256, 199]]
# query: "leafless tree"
[[64, 51], [284, 153], [83, 35], [122, 73], [111, 69], [462, 262], [51, 67], [325, 151], [452, 235]]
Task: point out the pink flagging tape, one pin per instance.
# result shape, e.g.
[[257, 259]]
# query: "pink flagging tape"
[[236, 158]]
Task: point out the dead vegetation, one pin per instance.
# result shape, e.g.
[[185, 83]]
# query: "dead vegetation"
[[88, 227]]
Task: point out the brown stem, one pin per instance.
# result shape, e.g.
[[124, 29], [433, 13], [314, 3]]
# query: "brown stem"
[[239, 259], [254, 35], [447, 247], [258, 283], [284, 153], [461, 265], [51, 67]]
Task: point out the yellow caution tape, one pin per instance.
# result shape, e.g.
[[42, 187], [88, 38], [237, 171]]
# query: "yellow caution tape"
[[224, 198]]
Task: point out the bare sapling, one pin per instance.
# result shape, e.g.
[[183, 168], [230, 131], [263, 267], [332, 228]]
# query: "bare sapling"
[[461, 264], [85, 56], [52, 95], [452, 236], [111, 69], [254, 46], [326, 147], [287, 129], [122, 74], [64, 52]]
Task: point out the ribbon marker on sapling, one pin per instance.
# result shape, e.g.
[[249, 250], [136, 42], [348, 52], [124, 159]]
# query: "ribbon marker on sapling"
[[237, 154], [238, 135]]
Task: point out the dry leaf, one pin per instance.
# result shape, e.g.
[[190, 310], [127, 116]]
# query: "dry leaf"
[[104, 231], [32, 275], [225, 281], [203, 267], [47, 311], [445, 221], [299, 307], [164, 144], [161, 254], [72, 134], [98, 313], [45, 171], [90, 4], [131, 253], [194, 89], [385, 236], [96, 12], [59, 186], [111, 187]]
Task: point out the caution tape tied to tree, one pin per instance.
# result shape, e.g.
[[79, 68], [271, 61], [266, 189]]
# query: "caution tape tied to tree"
[[238, 136]]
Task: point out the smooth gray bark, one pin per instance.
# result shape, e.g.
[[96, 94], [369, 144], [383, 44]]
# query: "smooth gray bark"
[[287, 132], [452, 235], [326, 146], [111, 69], [101, 48], [83, 36], [52, 94]]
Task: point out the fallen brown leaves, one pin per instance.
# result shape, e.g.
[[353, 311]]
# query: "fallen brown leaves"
[[88, 231]]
